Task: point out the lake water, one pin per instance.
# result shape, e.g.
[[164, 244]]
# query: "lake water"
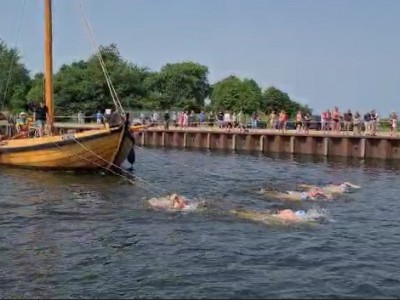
[[93, 236]]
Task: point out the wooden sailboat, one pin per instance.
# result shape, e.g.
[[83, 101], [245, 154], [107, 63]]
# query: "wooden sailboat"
[[103, 148]]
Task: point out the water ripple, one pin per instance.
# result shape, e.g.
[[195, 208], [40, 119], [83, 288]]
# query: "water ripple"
[[84, 236]]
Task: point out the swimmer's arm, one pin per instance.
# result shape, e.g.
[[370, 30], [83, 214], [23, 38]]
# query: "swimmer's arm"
[[306, 186], [354, 186], [322, 194]]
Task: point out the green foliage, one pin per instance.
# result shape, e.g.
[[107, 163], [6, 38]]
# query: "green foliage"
[[182, 85], [36, 92], [81, 86], [232, 93], [276, 100], [14, 78]]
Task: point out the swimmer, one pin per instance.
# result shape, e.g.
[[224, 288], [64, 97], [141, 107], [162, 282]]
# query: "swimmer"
[[290, 215], [313, 194], [286, 215], [333, 188], [176, 202]]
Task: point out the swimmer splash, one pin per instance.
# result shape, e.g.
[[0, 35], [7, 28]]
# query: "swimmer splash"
[[341, 188], [285, 216], [313, 194], [174, 202]]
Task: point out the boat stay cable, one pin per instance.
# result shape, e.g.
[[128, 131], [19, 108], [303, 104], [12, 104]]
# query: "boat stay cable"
[[15, 54], [114, 95], [124, 173]]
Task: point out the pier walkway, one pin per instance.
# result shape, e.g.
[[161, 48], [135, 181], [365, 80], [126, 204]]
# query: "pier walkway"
[[381, 146]]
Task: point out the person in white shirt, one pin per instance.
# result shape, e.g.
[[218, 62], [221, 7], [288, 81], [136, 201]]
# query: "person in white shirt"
[[227, 119], [234, 120], [155, 117]]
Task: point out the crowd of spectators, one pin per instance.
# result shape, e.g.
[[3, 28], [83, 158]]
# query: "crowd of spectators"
[[329, 121]]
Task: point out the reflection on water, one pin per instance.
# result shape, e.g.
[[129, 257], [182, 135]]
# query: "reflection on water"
[[78, 235]]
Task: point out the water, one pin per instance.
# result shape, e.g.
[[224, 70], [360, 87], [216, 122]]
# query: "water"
[[85, 236]]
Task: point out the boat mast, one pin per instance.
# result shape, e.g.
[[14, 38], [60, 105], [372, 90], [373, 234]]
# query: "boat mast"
[[49, 64]]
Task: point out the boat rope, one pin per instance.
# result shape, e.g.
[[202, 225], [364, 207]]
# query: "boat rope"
[[123, 171], [188, 166], [15, 54], [114, 95], [101, 61], [115, 173]]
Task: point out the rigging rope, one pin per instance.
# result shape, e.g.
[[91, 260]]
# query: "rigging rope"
[[110, 85], [115, 173], [121, 170], [144, 184], [14, 56]]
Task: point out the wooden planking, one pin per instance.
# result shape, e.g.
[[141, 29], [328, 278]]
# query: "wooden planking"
[[67, 156], [79, 126], [28, 142]]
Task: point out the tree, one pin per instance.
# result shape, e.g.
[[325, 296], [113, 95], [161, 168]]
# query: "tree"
[[182, 84], [36, 91], [276, 100], [82, 85], [232, 93], [14, 78]]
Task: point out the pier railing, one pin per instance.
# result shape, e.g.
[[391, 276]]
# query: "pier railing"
[[381, 145]]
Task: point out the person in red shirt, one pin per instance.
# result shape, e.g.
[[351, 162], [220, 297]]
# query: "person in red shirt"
[[282, 120]]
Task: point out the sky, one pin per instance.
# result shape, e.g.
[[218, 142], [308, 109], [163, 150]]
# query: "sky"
[[321, 52]]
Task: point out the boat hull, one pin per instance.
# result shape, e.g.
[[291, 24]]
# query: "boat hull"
[[90, 150]]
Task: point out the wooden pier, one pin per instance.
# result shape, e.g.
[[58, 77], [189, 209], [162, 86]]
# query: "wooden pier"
[[382, 146]]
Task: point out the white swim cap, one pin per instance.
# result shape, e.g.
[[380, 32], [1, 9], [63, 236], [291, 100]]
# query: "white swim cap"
[[300, 213]]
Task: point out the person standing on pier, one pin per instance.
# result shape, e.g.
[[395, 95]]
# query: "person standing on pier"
[[307, 120], [283, 117], [181, 119], [174, 119], [166, 120], [155, 117], [220, 119], [142, 118], [336, 119], [357, 124], [326, 119], [254, 120], [393, 124], [234, 120], [348, 121], [186, 119], [192, 119], [367, 123], [202, 118], [81, 118], [227, 120], [374, 122], [299, 121], [241, 120], [99, 117]]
